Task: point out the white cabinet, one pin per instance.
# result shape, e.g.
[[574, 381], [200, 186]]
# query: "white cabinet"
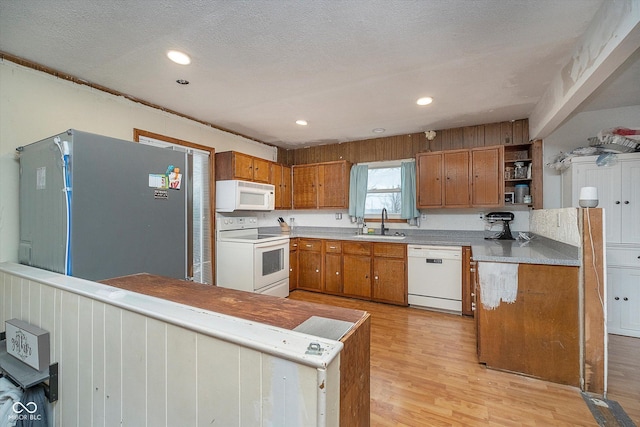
[[618, 193], [623, 301], [623, 296]]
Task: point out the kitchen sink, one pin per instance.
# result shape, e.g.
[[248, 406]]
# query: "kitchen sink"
[[380, 237]]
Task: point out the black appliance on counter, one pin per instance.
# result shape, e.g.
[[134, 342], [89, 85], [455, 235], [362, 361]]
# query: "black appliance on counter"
[[506, 218]]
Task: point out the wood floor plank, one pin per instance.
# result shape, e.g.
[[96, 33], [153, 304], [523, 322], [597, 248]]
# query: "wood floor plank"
[[424, 372], [624, 374]]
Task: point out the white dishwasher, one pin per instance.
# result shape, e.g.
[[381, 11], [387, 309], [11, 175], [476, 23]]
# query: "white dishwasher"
[[435, 277]]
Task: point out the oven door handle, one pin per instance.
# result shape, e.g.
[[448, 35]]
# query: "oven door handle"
[[272, 244]]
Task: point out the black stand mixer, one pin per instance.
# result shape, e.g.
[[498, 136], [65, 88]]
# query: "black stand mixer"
[[506, 218]]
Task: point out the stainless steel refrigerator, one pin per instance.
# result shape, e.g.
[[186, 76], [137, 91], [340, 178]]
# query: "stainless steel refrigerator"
[[97, 207]]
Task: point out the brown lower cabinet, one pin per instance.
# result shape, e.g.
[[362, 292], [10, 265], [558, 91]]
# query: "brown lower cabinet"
[[367, 270], [390, 273], [293, 264], [333, 267], [310, 264], [468, 281], [357, 269], [538, 334]]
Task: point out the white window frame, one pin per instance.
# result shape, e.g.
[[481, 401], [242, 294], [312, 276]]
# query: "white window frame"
[[383, 165]]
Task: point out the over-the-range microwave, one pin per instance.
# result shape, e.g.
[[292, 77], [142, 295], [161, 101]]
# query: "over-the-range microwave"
[[235, 195]]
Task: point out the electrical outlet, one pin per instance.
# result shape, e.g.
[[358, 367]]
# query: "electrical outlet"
[[338, 215], [423, 216], [482, 215]]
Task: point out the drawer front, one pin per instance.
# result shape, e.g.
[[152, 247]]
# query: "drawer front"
[[624, 257], [293, 244], [356, 248], [310, 245], [390, 250], [331, 246]]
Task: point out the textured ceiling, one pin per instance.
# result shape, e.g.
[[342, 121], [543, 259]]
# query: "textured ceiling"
[[346, 67]]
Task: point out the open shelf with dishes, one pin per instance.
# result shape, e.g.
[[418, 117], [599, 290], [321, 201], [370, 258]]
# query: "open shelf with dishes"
[[521, 164]]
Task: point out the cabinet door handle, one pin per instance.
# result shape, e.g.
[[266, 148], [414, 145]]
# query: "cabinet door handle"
[[626, 202], [309, 246], [317, 270], [332, 247], [616, 298], [626, 299], [617, 202], [291, 269], [337, 273], [366, 276]]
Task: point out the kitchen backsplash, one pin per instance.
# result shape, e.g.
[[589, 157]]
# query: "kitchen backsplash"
[[556, 224], [435, 220]]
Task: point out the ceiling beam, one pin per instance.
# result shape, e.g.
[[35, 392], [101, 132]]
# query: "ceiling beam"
[[612, 37]]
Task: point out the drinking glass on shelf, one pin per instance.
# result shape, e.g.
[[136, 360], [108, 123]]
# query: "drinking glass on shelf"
[[508, 172]]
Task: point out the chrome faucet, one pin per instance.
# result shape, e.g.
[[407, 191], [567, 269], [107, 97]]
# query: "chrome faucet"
[[384, 215]]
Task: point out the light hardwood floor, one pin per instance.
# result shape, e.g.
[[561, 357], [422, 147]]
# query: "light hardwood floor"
[[424, 372], [624, 374]]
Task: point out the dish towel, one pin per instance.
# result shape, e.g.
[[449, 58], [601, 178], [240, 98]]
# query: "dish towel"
[[9, 394], [498, 281]]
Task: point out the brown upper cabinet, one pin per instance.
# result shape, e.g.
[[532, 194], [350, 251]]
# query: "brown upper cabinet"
[[281, 180], [234, 165], [443, 179], [456, 178], [321, 185], [487, 184], [429, 167], [460, 178]]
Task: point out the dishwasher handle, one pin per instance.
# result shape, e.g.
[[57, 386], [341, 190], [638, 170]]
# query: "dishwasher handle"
[[434, 260]]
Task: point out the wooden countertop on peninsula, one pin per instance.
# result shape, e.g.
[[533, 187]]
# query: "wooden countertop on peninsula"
[[282, 313], [275, 311]]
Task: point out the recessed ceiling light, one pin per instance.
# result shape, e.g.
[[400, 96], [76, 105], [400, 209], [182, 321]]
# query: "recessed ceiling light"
[[179, 57], [301, 122], [182, 82], [378, 130], [424, 101]]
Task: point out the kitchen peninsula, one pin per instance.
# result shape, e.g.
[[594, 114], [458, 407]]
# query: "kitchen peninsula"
[[282, 313], [124, 354]]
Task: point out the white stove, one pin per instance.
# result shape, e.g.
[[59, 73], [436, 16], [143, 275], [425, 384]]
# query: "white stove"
[[249, 261]]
